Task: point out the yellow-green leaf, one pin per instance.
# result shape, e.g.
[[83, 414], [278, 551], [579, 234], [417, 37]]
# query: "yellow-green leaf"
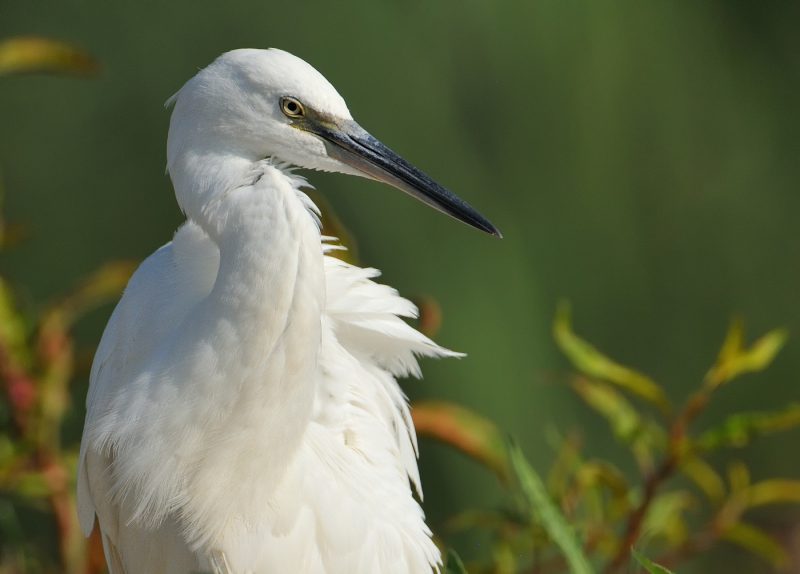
[[33, 54], [735, 360], [705, 477], [740, 429], [738, 476], [643, 435], [758, 542], [665, 517], [32, 485], [734, 341], [590, 361], [648, 564], [504, 557], [773, 491], [465, 430], [13, 332]]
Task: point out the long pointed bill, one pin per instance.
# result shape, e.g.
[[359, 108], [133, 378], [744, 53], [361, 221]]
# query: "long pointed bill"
[[349, 143]]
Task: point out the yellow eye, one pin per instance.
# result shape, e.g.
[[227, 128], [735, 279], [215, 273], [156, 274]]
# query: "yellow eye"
[[292, 107]]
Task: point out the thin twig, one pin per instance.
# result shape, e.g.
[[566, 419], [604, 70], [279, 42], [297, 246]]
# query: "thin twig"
[[675, 454]]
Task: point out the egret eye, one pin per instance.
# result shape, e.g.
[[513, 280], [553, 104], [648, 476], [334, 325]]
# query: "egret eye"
[[292, 107]]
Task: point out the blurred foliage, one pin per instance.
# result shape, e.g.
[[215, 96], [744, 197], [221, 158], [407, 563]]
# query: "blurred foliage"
[[34, 55], [38, 363], [648, 564], [588, 515]]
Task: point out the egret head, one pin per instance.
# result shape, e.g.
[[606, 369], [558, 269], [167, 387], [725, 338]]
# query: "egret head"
[[253, 104]]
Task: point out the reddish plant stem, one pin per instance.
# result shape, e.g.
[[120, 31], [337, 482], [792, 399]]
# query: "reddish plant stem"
[[675, 453]]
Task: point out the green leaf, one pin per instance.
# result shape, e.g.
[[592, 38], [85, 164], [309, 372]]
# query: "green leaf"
[[465, 430], [592, 362], [13, 331], [32, 485], [758, 542], [505, 559], [454, 565], [8, 450], [643, 435], [734, 341], [547, 513], [734, 360], [738, 476], [32, 54], [665, 517], [705, 477], [740, 429], [773, 491], [648, 564]]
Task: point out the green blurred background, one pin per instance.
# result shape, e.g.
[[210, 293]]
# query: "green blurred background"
[[641, 159]]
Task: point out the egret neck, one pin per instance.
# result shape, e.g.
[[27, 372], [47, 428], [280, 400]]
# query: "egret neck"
[[264, 309]]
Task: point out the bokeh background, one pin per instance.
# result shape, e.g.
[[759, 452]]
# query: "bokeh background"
[[641, 159]]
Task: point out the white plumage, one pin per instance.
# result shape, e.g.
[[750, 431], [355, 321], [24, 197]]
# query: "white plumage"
[[243, 414]]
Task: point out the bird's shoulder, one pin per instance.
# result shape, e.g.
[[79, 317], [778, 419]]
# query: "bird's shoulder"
[[158, 296]]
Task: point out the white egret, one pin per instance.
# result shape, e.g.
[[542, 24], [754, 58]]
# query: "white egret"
[[243, 414]]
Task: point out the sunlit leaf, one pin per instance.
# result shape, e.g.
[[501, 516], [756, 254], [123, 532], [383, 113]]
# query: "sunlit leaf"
[[454, 565], [773, 491], [648, 564], [738, 476], [740, 429], [735, 360], [548, 514], [666, 516], [13, 332], [504, 558], [592, 362], [643, 435], [705, 477], [623, 418], [733, 344], [758, 542], [32, 54], [465, 430]]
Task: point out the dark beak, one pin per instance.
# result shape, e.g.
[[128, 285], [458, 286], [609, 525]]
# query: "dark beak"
[[349, 143]]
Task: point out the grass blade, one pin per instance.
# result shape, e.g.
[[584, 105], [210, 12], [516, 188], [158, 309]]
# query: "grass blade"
[[648, 564], [548, 514]]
